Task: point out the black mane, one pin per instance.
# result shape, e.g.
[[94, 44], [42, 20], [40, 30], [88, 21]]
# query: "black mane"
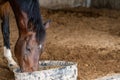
[[33, 10]]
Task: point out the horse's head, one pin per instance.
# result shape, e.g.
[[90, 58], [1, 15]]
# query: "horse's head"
[[29, 46]]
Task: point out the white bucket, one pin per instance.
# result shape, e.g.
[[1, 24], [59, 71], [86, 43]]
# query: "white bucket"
[[65, 71], [110, 77]]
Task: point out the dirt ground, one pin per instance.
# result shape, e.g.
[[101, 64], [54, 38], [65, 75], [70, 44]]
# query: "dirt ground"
[[89, 37]]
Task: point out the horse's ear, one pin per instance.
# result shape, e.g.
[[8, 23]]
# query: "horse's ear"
[[47, 24]]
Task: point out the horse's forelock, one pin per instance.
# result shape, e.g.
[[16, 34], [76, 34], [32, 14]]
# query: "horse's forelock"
[[34, 16]]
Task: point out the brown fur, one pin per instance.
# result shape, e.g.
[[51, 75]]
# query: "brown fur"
[[4, 8]]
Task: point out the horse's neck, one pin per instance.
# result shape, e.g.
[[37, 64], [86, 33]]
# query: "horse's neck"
[[20, 16], [29, 8], [16, 8], [27, 11], [2, 1]]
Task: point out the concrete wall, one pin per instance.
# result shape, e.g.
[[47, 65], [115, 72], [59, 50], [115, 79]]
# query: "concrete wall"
[[59, 4]]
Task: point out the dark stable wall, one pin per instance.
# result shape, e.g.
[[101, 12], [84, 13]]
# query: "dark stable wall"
[[111, 4]]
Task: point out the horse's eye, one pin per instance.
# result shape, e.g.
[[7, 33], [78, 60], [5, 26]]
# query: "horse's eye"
[[28, 49]]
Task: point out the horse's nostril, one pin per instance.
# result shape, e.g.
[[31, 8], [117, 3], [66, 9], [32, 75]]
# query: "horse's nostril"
[[10, 65], [18, 70]]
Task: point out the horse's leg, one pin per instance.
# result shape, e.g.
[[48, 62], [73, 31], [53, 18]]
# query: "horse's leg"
[[5, 31]]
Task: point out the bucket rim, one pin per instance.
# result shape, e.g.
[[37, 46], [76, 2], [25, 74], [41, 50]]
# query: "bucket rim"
[[67, 64]]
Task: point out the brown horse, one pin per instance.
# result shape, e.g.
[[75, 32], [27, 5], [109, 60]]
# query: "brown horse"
[[31, 33]]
